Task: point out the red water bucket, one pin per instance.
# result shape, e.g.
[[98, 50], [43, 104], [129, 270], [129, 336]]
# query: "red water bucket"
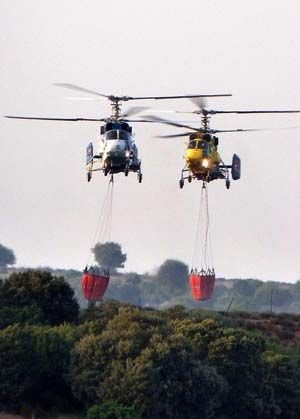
[[202, 284], [94, 286]]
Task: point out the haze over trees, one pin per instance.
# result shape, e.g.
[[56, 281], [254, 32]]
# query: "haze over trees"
[[7, 258]]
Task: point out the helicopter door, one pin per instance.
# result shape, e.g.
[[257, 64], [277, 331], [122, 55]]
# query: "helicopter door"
[[89, 153]]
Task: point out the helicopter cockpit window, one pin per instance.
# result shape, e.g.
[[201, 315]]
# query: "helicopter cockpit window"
[[192, 144], [112, 135], [125, 127], [123, 135], [201, 145]]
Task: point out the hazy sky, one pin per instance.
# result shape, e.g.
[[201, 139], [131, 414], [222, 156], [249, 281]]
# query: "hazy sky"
[[48, 211]]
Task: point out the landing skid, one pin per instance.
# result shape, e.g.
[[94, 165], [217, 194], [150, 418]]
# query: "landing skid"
[[222, 172], [110, 170]]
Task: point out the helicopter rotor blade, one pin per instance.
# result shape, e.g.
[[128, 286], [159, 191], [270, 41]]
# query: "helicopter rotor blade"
[[254, 112], [56, 119], [216, 131], [126, 98], [205, 111], [212, 131], [153, 118], [86, 99], [199, 102], [176, 97], [134, 110], [183, 134], [80, 89]]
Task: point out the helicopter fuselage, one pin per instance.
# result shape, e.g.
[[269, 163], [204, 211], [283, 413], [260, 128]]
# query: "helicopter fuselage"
[[117, 151], [201, 154], [203, 161]]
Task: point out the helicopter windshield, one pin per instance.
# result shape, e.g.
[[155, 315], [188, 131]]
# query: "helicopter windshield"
[[123, 135], [202, 145], [112, 135], [192, 144]]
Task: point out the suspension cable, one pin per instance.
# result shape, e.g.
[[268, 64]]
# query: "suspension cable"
[[103, 229], [202, 251], [205, 257], [198, 230]]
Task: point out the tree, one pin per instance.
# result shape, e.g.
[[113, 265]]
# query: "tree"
[[111, 410], [7, 257], [173, 276], [30, 314], [109, 255], [165, 381], [19, 364], [52, 295], [237, 355], [34, 361], [284, 377]]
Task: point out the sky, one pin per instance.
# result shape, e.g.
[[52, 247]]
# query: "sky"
[[48, 212]]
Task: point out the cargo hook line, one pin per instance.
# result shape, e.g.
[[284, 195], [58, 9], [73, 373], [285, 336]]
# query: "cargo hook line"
[[104, 223]]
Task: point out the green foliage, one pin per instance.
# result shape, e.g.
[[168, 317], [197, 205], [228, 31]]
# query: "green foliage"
[[109, 255], [34, 361], [111, 410], [237, 356], [30, 314], [19, 364], [51, 295], [124, 361], [166, 380], [284, 378], [7, 257], [102, 314]]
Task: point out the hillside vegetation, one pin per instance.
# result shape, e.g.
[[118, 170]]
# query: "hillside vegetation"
[[160, 291], [122, 361]]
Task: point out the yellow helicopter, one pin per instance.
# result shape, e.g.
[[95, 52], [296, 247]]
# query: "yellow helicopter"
[[202, 159]]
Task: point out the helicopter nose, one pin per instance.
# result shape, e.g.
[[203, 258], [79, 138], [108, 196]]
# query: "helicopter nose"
[[193, 155], [117, 151]]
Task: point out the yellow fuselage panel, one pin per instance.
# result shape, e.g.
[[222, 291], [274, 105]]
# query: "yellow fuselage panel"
[[194, 159], [192, 155]]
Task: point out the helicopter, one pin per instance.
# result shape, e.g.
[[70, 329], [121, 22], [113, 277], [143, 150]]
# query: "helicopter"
[[202, 159], [117, 151]]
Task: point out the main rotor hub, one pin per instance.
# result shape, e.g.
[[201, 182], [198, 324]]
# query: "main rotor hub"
[[205, 121], [116, 107]]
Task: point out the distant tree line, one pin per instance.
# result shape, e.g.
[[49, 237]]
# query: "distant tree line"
[[123, 361], [168, 286]]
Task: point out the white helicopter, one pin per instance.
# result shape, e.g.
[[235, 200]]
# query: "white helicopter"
[[117, 151]]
